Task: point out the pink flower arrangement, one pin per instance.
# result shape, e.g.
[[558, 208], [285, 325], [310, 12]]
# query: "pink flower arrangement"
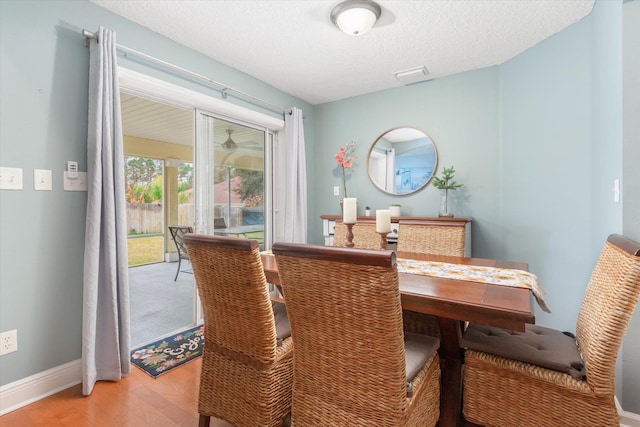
[[345, 158]]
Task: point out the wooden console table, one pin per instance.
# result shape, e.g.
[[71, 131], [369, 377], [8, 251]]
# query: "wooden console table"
[[329, 224]]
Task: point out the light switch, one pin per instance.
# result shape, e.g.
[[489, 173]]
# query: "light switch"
[[42, 180], [10, 178], [75, 184]]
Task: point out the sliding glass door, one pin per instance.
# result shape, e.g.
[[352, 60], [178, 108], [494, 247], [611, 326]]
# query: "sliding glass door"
[[231, 178]]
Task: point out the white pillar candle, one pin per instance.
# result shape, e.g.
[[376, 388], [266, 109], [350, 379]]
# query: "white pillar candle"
[[349, 214], [383, 221]]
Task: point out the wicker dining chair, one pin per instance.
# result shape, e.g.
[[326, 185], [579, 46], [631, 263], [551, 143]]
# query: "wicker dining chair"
[[421, 237], [424, 238], [544, 377], [247, 366], [364, 235], [353, 365], [177, 234]]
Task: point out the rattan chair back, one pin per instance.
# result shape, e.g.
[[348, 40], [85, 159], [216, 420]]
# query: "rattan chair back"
[[607, 306], [246, 375], [501, 391], [422, 237], [364, 235], [346, 323]]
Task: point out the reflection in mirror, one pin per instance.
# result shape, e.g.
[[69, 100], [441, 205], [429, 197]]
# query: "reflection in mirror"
[[402, 161]]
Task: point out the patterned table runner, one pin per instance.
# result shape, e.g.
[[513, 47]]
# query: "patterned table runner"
[[475, 273]]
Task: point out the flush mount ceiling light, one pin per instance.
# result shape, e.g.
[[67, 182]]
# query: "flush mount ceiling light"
[[355, 17]]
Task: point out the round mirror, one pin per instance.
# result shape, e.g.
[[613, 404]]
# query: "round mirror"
[[402, 161]]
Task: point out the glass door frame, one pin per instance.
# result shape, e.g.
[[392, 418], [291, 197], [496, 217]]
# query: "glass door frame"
[[144, 85], [203, 178]]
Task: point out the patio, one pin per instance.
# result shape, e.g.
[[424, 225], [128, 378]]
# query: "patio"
[[160, 306]]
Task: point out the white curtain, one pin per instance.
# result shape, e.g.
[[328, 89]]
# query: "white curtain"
[[295, 185], [105, 317]]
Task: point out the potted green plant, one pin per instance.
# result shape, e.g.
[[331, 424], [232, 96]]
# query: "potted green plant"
[[394, 209], [446, 183], [367, 211]]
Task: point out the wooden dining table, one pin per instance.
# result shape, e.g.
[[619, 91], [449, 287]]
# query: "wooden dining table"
[[454, 302]]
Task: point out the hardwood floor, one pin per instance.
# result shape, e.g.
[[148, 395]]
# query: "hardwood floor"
[[138, 400], [168, 401]]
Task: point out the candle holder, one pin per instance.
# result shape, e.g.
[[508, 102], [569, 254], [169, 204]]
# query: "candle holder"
[[383, 240], [349, 234]]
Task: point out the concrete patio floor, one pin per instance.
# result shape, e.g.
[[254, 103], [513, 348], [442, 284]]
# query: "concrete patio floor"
[[160, 306]]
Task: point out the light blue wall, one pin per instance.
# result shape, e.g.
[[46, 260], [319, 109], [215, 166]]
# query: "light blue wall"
[[43, 123], [546, 167], [537, 142], [459, 113], [631, 186]]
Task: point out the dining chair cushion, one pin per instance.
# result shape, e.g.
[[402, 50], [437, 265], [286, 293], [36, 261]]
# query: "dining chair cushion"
[[538, 346], [283, 329], [417, 350]]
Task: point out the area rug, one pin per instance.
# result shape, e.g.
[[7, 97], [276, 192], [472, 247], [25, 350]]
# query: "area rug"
[[170, 352]]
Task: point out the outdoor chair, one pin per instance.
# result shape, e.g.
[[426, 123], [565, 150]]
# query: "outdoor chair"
[[353, 364], [177, 233], [544, 377], [247, 366]]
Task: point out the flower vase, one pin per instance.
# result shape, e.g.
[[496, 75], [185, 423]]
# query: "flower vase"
[[444, 204]]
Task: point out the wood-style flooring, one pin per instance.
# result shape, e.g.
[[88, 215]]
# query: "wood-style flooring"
[[138, 400]]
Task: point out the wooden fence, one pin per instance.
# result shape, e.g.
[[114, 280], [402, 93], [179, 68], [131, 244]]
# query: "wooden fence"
[[146, 218]]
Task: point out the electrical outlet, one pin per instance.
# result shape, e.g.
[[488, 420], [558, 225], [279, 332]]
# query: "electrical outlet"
[[336, 191], [8, 342]]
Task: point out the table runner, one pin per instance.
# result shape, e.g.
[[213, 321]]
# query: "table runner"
[[475, 273]]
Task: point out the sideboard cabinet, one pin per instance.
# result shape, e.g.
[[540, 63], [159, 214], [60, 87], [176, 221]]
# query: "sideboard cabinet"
[[329, 225]]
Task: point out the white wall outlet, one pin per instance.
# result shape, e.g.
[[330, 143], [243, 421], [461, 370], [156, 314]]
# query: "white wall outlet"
[[10, 178], [336, 191], [75, 184], [42, 180], [8, 342]]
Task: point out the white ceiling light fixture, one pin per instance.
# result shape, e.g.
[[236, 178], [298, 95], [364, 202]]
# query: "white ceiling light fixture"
[[355, 17]]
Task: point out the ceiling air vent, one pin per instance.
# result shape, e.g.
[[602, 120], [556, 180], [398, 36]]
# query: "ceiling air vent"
[[412, 75]]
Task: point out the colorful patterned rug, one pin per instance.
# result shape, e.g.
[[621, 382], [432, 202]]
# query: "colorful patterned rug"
[[169, 352]]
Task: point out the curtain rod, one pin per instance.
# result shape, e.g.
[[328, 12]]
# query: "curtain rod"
[[225, 89]]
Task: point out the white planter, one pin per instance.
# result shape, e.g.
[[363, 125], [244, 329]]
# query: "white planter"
[[394, 210], [367, 212]]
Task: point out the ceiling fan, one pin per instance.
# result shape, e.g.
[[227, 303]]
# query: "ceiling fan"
[[231, 145]]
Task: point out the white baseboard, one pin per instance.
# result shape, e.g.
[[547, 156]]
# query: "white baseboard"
[[20, 393], [627, 419]]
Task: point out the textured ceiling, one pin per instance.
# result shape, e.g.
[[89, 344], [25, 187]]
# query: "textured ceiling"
[[293, 46]]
